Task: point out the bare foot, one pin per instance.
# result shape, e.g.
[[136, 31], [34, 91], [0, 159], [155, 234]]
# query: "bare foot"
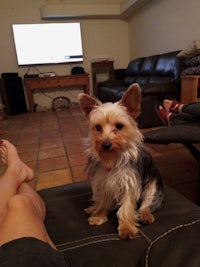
[[163, 114], [15, 165], [172, 106], [167, 104]]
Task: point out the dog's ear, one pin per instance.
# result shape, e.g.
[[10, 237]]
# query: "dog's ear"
[[132, 100], [87, 103]]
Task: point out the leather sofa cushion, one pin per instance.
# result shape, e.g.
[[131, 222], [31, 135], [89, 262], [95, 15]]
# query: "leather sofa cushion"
[[169, 65], [172, 240], [154, 69], [148, 66], [134, 67]]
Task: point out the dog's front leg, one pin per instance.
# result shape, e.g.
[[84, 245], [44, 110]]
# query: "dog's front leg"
[[99, 213], [148, 197], [127, 218]]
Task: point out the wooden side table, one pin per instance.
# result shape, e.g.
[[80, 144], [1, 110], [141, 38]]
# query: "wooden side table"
[[189, 88], [104, 66], [55, 82]]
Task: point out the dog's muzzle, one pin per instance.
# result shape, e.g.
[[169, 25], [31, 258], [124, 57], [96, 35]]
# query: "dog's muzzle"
[[107, 146]]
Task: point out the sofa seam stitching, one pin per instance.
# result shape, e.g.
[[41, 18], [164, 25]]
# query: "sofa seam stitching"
[[165, 234], [109, 237]]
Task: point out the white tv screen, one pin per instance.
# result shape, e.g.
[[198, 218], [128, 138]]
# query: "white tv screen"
[[48, 43]]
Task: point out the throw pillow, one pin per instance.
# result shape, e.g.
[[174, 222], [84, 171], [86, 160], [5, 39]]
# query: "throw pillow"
[[191, 50], [191, 71], [193, 61]]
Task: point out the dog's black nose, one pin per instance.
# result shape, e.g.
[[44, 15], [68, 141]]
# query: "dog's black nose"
[[106, 145]]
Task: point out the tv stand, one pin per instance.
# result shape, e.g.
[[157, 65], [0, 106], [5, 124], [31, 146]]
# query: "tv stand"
[[55, 82]]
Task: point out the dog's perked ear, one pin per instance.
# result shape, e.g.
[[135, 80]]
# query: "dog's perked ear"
[[132, 100], [87, 103]]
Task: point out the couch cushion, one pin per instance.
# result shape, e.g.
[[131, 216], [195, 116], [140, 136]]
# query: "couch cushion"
[[172, 240], [133, 70], [168, 65], [148, 66]]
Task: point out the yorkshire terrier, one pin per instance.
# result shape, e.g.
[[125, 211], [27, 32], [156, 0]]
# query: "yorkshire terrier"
[[123, 174]]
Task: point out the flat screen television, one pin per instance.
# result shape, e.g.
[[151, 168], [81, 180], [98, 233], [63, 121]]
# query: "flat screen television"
[[48, 43]]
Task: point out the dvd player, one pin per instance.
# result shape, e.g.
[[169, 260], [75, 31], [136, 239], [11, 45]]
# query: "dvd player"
[[47, 74]]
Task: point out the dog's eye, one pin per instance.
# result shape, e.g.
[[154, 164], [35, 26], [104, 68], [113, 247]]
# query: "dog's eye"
[[98, 127], [119, 126]]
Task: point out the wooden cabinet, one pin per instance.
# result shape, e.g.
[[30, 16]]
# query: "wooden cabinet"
[[56, 82], [189, 88], [105, 66]]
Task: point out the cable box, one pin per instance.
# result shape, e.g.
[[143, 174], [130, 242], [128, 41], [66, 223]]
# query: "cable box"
[[31, 75], [47, 74]]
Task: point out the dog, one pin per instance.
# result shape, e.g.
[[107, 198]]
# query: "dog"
[[122, 173]]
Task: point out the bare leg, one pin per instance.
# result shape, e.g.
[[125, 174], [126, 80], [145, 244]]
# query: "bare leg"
[[16, 173], [22, 211]]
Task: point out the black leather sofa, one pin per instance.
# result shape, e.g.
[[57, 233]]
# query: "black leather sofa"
[[159, 78], [172, 240]]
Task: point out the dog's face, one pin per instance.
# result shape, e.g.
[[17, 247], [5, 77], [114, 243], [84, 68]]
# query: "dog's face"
[[113, 129]]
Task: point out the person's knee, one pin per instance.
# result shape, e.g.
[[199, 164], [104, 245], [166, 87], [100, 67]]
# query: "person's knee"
[[34, 199]]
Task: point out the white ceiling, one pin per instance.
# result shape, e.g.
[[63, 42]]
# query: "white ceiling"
[[90, 8], [88, 1]]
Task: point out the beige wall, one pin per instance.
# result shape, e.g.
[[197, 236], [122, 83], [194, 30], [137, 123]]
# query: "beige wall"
[[164, 25], [101, 38], [160, 26]]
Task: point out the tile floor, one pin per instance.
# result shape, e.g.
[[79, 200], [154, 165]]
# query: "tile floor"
[[51, 144]]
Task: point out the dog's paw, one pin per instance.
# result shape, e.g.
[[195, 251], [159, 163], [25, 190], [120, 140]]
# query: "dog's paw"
[[146, 217], [127, 231], [95, 220]]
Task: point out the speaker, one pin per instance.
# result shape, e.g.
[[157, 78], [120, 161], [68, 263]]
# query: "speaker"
[[12, 94], [77, 70], [9, 74]]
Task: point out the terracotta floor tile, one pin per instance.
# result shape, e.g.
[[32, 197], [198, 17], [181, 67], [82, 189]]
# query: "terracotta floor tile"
[[50, 133], [79, 174], [78, 159], [54, 178], [51, 143], [51, 153], [32, 147], [28, 156], [28, 139], [51, 164], [75, 148]]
